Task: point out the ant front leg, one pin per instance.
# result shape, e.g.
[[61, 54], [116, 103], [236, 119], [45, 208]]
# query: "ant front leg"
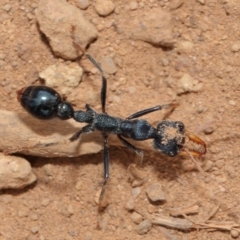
[[85, 129], [150, 110]]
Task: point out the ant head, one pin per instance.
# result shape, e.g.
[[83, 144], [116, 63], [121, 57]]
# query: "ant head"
[[170, 137], [65, 110]]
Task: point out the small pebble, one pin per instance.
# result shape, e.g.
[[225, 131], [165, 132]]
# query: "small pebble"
[[175, 4], [34, 217], [200, 108], [234, 233], [135, 192], [207, 165], [155, 193], [130, 204], [185, 84], [208, 130], [104, 7], [48, 169], [185, 47], [144, 227], [67, 211], [45, 202], [7, 7], [136, 217], [23, 212], [165, 62], [133, 5], [108, 65], [235, 47], [70, 209], [219, 164], [201, 1], [82, 4], [34, 230], [232, 102]]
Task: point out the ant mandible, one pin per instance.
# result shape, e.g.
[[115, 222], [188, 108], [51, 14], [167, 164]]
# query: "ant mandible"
[[168, 136]]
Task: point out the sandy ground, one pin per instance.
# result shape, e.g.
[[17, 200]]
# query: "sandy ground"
[[61, 205]]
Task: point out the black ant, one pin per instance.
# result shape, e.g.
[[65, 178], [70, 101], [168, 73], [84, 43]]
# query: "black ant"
[[168, 136]]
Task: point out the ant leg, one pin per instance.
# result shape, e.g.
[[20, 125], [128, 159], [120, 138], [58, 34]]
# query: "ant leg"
[[85, 129], [75, 43], [150, 110], [106, 170], [104, 82], [138, 151]]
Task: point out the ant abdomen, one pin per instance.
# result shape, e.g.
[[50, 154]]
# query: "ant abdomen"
[[44, 103]]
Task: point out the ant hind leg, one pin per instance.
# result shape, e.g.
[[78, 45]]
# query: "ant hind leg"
[[138, 151]]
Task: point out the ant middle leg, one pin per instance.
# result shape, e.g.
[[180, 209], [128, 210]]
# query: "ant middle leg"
[[104, 82], [150, 110], [101, 204], [96, 64]]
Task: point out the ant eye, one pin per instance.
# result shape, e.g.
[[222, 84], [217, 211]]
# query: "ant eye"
[[180, 126]]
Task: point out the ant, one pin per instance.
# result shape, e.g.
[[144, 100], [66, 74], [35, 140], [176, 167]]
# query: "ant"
[[168, 136]]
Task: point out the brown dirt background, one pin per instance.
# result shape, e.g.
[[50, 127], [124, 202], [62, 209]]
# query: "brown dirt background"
[[70, 184]]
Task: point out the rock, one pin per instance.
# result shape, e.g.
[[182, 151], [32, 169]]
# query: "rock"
[[67, 211], [35, 229], [201, 1], [185, 47], [144, 227], [136, 217], [155, 193], [45, 202], [130, 204], [235, 47], [133, 5], [155, 26], [235, 233], [135, 192], [208, 130], [82, 4], [7, 7], [104, 7], [48, 169], [175, 4], [15, 172], [232, 102], [56, 20], [108, 65], [65, 77], [185, 84]]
